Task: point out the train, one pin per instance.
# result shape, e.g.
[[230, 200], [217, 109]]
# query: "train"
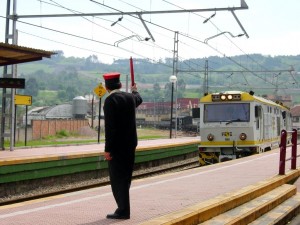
[[235, 124]]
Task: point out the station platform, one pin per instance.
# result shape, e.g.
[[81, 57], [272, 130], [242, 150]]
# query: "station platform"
[[153, 200], [24, 153], [28, 169]]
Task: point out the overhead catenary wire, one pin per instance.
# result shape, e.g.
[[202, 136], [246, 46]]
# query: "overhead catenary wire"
[[66, 44], [105, 6], [246, 69], [197, 14], [145, 20], [74, 11]]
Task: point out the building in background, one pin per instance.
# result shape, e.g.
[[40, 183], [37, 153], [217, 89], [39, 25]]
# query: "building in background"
[[45, 121], [295, 111], [77, 110], [285, 100], [157, 114]]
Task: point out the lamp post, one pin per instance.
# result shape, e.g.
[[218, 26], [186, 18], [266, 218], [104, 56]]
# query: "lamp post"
[[173, 80]]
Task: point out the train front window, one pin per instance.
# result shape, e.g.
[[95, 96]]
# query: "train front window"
[[227, 112]]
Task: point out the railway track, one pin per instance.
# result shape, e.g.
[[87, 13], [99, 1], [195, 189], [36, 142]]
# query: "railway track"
[[173, 167]]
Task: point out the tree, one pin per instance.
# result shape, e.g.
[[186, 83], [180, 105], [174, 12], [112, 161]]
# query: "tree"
[[58, 56], [71, 92], [62, 95], [156, 87], [181, 85], [156, 91], [180, 88], [31, 87], [91, 62], [168, 90]]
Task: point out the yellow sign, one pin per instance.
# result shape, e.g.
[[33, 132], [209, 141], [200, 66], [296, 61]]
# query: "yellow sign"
[[227, 134], [23, 100], [100, 90]]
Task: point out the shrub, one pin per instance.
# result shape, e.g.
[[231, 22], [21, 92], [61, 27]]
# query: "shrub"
[[62, 133]]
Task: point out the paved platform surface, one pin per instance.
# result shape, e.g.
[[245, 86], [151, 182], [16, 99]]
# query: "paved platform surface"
[[150, 198], [295, 221], [28, 152]]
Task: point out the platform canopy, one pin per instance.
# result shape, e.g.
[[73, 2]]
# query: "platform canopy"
[[14, 54]]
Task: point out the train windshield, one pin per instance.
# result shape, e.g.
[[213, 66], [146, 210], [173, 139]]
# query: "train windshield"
[[227, 112]]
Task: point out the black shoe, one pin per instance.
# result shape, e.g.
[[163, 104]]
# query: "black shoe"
[[117, 216]]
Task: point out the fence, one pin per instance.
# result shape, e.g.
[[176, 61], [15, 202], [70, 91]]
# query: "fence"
[[44, 128]]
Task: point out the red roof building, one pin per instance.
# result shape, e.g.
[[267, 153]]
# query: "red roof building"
[[157, 111], [295, 111]]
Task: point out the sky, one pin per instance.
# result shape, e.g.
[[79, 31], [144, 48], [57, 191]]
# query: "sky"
[[272, 27]]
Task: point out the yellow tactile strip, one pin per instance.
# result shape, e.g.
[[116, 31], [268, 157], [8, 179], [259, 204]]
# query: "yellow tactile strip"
[[160, 146], [220, 204], [35, 159]]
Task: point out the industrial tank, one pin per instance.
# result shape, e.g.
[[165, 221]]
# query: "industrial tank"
[[80, 107]]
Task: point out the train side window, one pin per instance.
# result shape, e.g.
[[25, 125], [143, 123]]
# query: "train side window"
[[257, 111], [283, 114]]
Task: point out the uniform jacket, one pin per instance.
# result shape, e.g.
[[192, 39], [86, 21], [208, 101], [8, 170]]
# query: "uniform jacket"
[[120, 124]]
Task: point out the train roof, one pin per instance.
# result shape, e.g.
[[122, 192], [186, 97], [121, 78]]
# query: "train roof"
[[245, 96]]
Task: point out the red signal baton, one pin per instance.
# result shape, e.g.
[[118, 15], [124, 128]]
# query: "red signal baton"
[[131, 72]]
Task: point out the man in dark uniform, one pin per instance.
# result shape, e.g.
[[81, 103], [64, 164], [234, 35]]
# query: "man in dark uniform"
[[120, 140]]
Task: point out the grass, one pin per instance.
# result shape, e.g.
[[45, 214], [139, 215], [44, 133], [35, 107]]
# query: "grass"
[[43, 142], [65, 138]]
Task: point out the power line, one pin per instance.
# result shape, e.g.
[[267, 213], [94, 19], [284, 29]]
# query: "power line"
[[63, 43], [220, 31], [131, 51], [90, 21], [130, 13], [62, 32], [78, 12]]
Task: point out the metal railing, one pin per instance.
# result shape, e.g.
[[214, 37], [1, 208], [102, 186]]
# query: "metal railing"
[[282, 145]]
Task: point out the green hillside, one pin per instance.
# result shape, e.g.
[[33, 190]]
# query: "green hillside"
[[60, 79]]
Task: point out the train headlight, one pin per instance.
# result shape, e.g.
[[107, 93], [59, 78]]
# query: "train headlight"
[[226, 97], [210, 137], [243, 136]]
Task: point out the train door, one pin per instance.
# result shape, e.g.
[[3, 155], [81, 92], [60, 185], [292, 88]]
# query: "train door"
[[259, 121], [283, 113], [267, 124], [278, 126]]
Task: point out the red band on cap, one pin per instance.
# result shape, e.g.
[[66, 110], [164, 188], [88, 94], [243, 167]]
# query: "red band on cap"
[[109, 76]]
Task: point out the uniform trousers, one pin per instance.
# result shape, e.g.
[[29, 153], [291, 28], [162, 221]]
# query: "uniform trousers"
[[120, 173]]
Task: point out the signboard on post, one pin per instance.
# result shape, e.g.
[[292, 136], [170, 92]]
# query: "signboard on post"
[[100, 90], [23, 100], [12, 83]]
